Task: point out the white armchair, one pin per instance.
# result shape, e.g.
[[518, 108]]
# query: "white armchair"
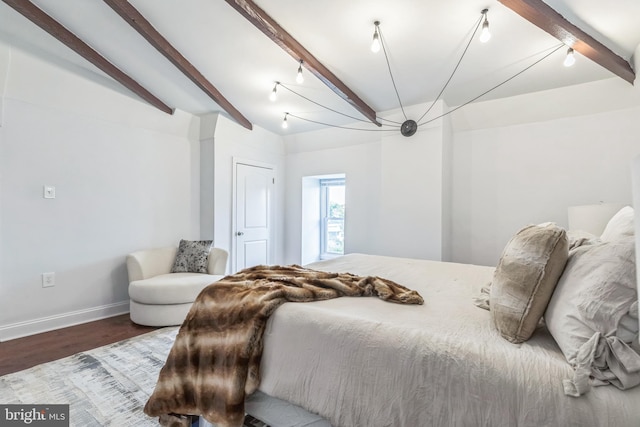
[[161, 298]]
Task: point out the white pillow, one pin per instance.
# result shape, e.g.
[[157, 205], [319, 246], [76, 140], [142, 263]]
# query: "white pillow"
[[628, 329], [596, 292], [621, 225], [580, 237]]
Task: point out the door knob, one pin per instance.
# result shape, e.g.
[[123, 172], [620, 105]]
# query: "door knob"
[[239, 233]]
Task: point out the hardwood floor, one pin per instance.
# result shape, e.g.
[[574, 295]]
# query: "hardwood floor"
[[23, 353]]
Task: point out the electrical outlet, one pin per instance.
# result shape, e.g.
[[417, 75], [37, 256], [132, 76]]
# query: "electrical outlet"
[[49, 192], [48, 280]]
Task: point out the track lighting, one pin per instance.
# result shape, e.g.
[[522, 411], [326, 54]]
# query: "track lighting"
[[409, 126], [485, 35], [273, 95], [300, 77], [375, 45], [570, 59]]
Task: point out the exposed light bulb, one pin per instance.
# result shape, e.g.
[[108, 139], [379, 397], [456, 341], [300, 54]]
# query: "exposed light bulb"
[[300, 77], [273, 95], [375, 44], [485, 35], [284, 122], [570, 59]]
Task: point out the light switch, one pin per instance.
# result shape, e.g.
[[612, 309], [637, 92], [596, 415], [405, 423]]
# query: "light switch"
[[48, 279], [49, 192]]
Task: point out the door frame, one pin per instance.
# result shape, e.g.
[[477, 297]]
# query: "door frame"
[[234, 207]]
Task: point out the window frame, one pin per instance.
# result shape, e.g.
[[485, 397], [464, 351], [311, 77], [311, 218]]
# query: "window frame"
[[325, 184]]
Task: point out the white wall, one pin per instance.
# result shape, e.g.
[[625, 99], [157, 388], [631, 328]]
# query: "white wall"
[[361, 166], [509, 176], [310, 220], [223, 140], [411, 195], [394, 187], [462, 189], [447, 187], [5, 61], [124, 176]]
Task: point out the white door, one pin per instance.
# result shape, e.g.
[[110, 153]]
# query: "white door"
[[252, 235]]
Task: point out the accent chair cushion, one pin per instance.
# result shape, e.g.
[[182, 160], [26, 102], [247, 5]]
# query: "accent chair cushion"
[[525, 278], [172, 288], [192, 256]]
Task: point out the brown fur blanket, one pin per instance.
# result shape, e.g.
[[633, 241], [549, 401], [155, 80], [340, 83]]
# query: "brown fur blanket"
[[214, 362]]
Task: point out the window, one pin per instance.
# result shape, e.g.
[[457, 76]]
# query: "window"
[[323, 214], [332, 209]]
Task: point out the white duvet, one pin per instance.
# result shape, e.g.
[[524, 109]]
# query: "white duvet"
[[363, 362]]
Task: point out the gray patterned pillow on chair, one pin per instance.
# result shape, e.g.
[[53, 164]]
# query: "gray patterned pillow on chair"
[[192, 256]]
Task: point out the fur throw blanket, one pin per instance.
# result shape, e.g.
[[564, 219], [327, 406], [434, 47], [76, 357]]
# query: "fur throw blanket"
[[214, 362]]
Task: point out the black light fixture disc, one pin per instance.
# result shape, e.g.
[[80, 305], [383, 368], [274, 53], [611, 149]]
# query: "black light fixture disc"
[[408, 128]]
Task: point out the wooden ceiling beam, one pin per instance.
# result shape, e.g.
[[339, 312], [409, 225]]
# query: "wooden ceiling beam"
[[540, 14], [162, 45], [53, 27], [258, 17]]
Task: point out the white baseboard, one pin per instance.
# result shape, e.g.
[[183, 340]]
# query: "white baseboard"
[[45, 324]]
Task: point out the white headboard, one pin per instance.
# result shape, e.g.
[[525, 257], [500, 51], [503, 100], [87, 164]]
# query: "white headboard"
[[592, 218]]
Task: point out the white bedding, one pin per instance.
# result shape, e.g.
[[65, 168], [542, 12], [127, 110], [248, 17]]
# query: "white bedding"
[[365, 362]]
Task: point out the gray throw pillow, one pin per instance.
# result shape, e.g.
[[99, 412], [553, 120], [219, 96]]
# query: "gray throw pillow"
[[525, 278], [192, 256]]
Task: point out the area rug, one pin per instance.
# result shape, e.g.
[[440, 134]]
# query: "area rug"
[[106, 386]]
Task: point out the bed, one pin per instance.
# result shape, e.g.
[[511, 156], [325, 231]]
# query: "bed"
[[364, 362], [439, 364]]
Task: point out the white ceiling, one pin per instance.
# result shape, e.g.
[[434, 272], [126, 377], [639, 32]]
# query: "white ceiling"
[[425, 39]]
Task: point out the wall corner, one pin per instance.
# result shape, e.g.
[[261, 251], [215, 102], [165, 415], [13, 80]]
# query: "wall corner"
[[208, 123], [635, 63], [447, 184], [5, 62], [636, 205]]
